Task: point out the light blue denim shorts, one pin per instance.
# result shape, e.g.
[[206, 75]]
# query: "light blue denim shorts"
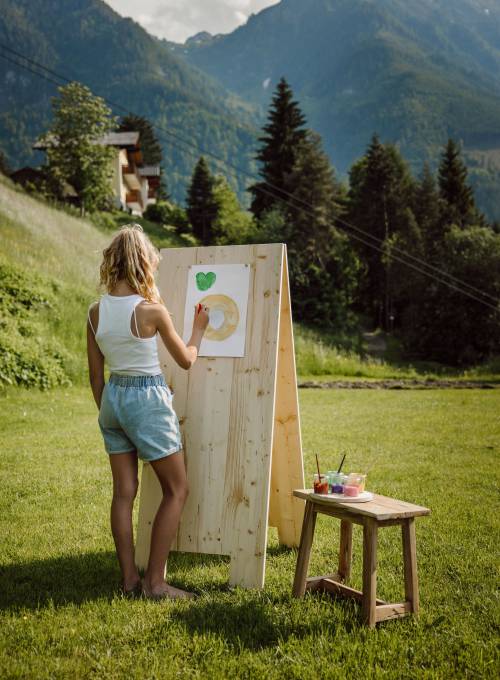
[[136, 414]]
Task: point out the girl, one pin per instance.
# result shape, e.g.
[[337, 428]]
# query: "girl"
[[136, 417]]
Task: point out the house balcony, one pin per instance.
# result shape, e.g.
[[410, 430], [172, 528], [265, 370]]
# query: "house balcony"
[[131, 178], [133, 197]]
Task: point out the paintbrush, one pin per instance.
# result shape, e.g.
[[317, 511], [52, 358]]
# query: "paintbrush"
[[342, 462], [317, 465]]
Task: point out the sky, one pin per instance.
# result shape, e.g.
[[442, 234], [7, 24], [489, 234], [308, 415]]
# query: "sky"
[[179, 19]]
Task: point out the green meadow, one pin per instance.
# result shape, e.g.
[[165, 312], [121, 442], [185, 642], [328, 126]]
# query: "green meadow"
[[61, 615], [49, 265]]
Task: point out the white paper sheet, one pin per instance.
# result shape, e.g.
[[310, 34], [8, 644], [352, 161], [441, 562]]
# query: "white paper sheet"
[[224, 289]]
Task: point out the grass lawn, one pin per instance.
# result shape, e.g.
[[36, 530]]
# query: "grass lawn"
[[61, 615]]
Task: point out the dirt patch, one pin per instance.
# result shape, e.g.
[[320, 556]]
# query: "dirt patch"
[[409, 384]]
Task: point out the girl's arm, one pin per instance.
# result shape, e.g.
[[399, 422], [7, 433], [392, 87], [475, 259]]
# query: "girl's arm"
[[95, 357], [183, 354]]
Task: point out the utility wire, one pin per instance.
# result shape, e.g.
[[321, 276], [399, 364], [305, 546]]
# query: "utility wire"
[[295, 199], [374, 243], [339, 220]]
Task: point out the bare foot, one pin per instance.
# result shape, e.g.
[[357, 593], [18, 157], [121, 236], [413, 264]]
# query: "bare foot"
[[129, 585], [132, 590], [164, 591]]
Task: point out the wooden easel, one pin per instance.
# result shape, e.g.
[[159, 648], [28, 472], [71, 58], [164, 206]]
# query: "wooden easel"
[[240, 422]]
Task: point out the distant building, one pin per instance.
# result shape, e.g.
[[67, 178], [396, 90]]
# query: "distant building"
[[35, 177], [135, 185]]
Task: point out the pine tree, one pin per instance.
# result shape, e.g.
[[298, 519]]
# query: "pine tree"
[[279, 149], [323, 265], [454, 190], [150, 146], [201, 203], [427, 210], [381, 191], [162, 193]]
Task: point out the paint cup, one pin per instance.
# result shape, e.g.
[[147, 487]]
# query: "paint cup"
[[351, 490], [337, 482], [331, 478], [320, 484], [357, 479]]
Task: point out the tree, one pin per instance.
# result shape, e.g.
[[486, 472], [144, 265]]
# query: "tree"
[[323, 266], [407, 284], [74, 153], [279, 149], [201, 204], [232, 225], [458, 196], [451, 327], [427, 210], [162, 193], [150, 146], [381, 191]]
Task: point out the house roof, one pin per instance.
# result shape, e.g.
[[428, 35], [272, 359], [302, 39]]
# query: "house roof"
[[149, 171], [120, 139]]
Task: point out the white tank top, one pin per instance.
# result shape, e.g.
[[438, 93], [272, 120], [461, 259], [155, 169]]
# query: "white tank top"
[[123, 351]]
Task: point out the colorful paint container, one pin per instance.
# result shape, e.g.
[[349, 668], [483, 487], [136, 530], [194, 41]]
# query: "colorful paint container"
[[351, 490], [357, 479], [321, 484], [337, 482], [331, 480]]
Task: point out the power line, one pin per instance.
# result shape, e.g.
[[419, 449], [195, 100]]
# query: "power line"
[[338, 220], [41, 75], [372, 242]]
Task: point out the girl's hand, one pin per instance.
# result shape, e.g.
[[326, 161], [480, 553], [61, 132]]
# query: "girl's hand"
[[201, 318]]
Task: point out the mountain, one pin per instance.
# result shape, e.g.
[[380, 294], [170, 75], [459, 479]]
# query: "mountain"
[[201, 38], [86, 40], [415, 71]]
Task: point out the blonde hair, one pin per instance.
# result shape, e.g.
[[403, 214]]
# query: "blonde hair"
[[133, 258]]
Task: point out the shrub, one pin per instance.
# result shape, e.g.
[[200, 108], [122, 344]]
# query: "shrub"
[[168, 214], [26, 357]]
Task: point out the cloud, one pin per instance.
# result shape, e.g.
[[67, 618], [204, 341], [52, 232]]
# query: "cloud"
[[179, 19]]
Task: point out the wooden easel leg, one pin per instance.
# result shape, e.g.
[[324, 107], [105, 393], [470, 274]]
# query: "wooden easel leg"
[[345, 555], [306, 539], [247, 571], [410, 563], [370, 535], [287, 471]]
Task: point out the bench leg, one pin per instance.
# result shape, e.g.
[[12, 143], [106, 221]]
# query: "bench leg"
[[306, 539], [370, 533], [345, 556], [410, 563]]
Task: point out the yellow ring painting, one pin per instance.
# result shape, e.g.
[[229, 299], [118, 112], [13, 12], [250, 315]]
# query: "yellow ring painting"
[[228, 308]]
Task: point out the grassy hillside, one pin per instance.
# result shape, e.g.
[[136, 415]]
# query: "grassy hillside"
[[49, 263]]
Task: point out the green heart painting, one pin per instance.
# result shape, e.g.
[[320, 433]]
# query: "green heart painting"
[[205, 281]]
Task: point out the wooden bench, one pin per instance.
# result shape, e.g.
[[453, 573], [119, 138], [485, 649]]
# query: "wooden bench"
[[379, 512]]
